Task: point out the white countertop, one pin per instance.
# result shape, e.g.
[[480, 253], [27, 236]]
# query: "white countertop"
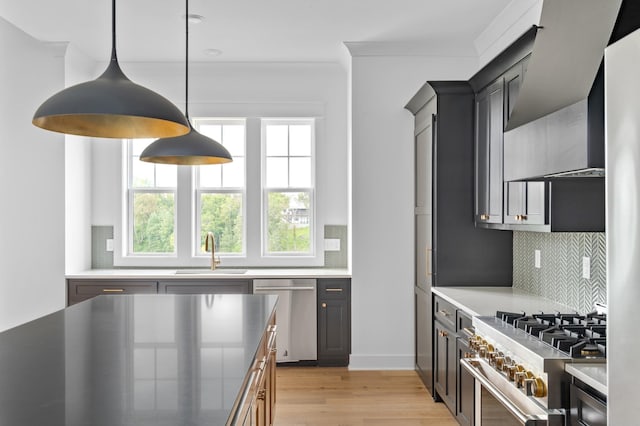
[[485, 301], [251, 273], [594, 375]]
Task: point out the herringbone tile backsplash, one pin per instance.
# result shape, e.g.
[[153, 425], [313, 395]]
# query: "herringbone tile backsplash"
[[560, 276]]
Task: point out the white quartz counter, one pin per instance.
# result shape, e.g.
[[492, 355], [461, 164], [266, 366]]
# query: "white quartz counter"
[[204, 274], [594, 375], [485, 301]]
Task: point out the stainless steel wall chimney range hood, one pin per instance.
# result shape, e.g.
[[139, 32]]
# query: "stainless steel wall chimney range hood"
[[567, 52], [556, 127]]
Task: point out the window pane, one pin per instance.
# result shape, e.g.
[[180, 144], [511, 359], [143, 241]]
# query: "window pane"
[[277, 140], [222, 215], [234, 173], [166, 176], [277, 172], [288, 222], [153, 223], [300, 172], [234, 139], [142, 174], [300, 140], [214, 131], [210, 176]]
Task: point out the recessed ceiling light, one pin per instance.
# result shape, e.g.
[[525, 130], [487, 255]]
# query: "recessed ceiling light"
[[212, 52], [193, 18]]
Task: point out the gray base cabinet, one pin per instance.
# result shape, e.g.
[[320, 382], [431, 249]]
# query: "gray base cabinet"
[[452, 384], [79, 290], [334, 322], [205, 287]]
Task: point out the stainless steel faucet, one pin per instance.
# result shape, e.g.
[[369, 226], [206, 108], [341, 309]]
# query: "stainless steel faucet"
[[210, 237]]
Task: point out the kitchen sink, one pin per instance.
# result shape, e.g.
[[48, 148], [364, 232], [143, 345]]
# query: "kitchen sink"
[[210, 272]]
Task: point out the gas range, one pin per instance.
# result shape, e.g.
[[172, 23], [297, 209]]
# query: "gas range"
[[522, 358]]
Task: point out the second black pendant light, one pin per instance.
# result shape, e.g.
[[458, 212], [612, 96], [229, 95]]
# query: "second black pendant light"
[[192, 148]]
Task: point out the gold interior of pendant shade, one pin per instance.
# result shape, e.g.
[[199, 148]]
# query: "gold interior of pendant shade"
[[110, 126], [186, 160]]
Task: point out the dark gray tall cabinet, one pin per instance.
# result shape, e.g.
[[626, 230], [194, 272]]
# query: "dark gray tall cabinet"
[[449, 249]]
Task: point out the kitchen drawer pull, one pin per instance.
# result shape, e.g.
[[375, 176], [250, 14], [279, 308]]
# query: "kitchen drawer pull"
[[443, 312], [335, 290], [283, 288], [113, 290]]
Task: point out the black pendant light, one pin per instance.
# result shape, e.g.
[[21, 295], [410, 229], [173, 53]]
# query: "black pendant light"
[[192, 148], [111, 106]]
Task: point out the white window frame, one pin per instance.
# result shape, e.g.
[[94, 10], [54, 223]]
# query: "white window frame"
[[187, 213], [131, 192], [265, 191], [197, 192]]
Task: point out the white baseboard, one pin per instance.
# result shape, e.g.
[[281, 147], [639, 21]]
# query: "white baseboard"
[[381, 362]]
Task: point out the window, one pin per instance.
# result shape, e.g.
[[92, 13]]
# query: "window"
[[220, 189], [152, 190], [288, 186], [260, 207]]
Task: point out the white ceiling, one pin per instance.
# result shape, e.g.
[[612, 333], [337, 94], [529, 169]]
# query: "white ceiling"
[[252, 30]]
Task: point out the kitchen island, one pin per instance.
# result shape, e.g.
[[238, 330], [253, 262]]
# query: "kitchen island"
[[139, 360]]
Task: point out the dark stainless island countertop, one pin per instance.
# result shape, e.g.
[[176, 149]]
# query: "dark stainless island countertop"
[[132, 360]]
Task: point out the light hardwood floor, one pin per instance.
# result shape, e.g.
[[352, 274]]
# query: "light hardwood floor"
[[308, 396]]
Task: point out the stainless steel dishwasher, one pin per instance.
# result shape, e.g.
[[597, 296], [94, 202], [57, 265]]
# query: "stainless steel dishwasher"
[[296, 317]]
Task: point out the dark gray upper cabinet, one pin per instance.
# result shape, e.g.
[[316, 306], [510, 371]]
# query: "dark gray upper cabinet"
[[525, 203], [444, 121], [512, 192], [489, 147]]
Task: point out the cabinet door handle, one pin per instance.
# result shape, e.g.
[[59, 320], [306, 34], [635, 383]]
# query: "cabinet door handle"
[[443, 333], [113, 290], [324, 305], [428, 261], [333, 290]]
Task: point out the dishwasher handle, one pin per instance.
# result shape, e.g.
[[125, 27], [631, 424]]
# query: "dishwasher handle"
[[283, 288]]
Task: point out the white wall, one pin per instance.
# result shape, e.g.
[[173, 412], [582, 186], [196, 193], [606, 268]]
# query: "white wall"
[[238, 89], [382, 200], [33, 181], [78, 68]]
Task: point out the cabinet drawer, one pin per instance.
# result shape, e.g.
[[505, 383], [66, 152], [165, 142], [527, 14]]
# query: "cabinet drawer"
[[463, 321], [444, 312], [206, 287], [79, 290], [333, 289]]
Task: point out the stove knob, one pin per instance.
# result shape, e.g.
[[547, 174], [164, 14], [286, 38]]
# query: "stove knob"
[[539, 387], [523, 377], [508, 362], [499, 362], [513, 370], [493, 356], [482, 351]]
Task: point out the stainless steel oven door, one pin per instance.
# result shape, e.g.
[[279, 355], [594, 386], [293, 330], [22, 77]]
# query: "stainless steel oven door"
[[499, 402]]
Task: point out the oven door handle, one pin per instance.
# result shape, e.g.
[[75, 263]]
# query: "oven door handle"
[[525, 419]]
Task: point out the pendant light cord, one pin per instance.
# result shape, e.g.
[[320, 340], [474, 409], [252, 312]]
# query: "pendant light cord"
[[186, 62], [113, 31]]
